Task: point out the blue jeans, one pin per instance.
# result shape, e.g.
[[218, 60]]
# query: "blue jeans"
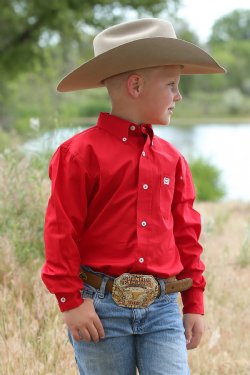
[[150, 339]]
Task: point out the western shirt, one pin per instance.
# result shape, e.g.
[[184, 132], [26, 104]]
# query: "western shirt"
[[121, 201]]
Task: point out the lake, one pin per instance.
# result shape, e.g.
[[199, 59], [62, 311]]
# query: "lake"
[[226, 146]]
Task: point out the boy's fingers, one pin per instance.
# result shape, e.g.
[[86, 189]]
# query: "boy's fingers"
[[76, 334], [188, 335], [93, 333], [195, 340], [99, 327]]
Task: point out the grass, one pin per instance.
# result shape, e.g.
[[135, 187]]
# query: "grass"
[[33, 339], [224, 348], [243, 259]]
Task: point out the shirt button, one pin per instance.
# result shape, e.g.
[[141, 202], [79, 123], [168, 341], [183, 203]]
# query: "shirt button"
[[143, 223], [143, 153], [63, 299], [132, 127], [124, 139], [145, 186], [141, 260]]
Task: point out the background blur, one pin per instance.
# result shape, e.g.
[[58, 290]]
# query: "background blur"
[[40, 42]]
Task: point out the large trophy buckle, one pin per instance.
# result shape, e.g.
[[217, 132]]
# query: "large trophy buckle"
[[135, 290]]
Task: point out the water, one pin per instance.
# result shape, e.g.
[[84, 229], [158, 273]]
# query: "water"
[[226, 146]]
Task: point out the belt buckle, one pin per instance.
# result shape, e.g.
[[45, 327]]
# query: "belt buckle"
[[134, 290]]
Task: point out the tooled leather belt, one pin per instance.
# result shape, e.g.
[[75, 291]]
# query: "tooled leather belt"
[[135, 290]]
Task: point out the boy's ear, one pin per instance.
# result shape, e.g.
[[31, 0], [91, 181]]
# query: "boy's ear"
[[134, 85]]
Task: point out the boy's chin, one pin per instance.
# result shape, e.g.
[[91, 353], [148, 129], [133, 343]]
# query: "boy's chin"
[[164, 122]]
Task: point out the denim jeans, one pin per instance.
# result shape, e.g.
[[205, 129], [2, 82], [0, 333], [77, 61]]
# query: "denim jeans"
[[150, 339]]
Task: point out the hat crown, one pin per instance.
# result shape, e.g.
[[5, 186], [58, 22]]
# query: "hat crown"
[[127, 32]]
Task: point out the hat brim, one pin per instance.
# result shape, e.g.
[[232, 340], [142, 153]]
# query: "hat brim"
[[142, 53]]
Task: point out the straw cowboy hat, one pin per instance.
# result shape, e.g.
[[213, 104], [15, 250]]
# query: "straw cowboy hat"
[[134, 45]]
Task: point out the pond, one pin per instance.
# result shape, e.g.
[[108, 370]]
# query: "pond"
[[226, 146]]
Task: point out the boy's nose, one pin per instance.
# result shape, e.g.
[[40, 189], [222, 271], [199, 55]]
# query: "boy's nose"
[[178, 96]]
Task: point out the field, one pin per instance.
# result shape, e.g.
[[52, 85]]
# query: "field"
[[33, 339]]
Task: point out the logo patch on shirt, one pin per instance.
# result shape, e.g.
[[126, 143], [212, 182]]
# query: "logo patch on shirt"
[[166, 180]]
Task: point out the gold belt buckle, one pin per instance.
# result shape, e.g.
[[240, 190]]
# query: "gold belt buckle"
[[134, 290]]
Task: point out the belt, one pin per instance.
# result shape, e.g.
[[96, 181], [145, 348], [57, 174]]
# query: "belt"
[[135, 290]]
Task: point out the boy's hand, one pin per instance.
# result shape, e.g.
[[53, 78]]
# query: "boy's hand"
[[84, 323], [194, 328]]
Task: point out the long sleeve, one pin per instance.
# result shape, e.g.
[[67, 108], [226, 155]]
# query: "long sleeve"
[[64, 221], [187, 228]]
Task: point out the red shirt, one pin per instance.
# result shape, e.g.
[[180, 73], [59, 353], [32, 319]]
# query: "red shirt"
[[121, 201]]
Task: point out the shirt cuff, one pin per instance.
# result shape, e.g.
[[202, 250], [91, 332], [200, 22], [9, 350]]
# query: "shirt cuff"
[[193, 301], [68, 301]]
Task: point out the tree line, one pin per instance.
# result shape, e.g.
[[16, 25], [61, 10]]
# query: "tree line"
[[41, 41]]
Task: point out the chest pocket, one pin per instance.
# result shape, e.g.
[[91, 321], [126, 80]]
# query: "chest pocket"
[[166, 194]]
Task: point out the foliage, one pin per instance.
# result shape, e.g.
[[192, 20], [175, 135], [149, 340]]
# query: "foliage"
[[233, 26], [24, 191], [28, 26], [233, 100], [207, 180], [59, 45], [229, 43]]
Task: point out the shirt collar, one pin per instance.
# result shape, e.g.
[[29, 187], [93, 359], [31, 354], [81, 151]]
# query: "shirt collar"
[[120, 127]]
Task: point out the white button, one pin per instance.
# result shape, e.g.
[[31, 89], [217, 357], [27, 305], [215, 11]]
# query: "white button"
[[63, 299], [132, 127], [141, 260], [143, 223], [143, 153], [124, 139], [145, 186], [152, 143]]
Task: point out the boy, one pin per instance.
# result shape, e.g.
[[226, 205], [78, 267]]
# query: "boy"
[[121, 211]]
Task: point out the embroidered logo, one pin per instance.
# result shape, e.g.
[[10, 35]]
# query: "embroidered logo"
[[166, 180]]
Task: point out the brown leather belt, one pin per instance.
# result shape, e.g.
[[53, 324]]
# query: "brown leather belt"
[[132, 290]]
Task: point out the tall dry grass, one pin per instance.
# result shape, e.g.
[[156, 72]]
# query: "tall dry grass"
[[225, 349], [33, 339]]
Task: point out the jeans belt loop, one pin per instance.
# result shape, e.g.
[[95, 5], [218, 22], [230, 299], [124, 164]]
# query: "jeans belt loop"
[[162, 286], [101, 292]]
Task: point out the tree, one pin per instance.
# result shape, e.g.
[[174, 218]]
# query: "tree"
[[233, 26], [27, 26], [184, 32], [230, 42]]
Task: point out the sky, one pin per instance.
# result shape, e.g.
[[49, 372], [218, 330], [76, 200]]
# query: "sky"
[[201, 14]]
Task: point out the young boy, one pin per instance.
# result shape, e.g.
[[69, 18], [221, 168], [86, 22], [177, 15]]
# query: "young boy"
[[121, 235]]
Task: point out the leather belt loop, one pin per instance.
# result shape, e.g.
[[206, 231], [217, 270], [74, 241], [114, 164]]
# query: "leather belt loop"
[[101, 291], [162, 287]]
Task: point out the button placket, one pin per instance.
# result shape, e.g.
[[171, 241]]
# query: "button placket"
[[144, 201]]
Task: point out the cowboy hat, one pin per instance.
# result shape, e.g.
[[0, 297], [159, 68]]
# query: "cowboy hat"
[[143, 43]]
